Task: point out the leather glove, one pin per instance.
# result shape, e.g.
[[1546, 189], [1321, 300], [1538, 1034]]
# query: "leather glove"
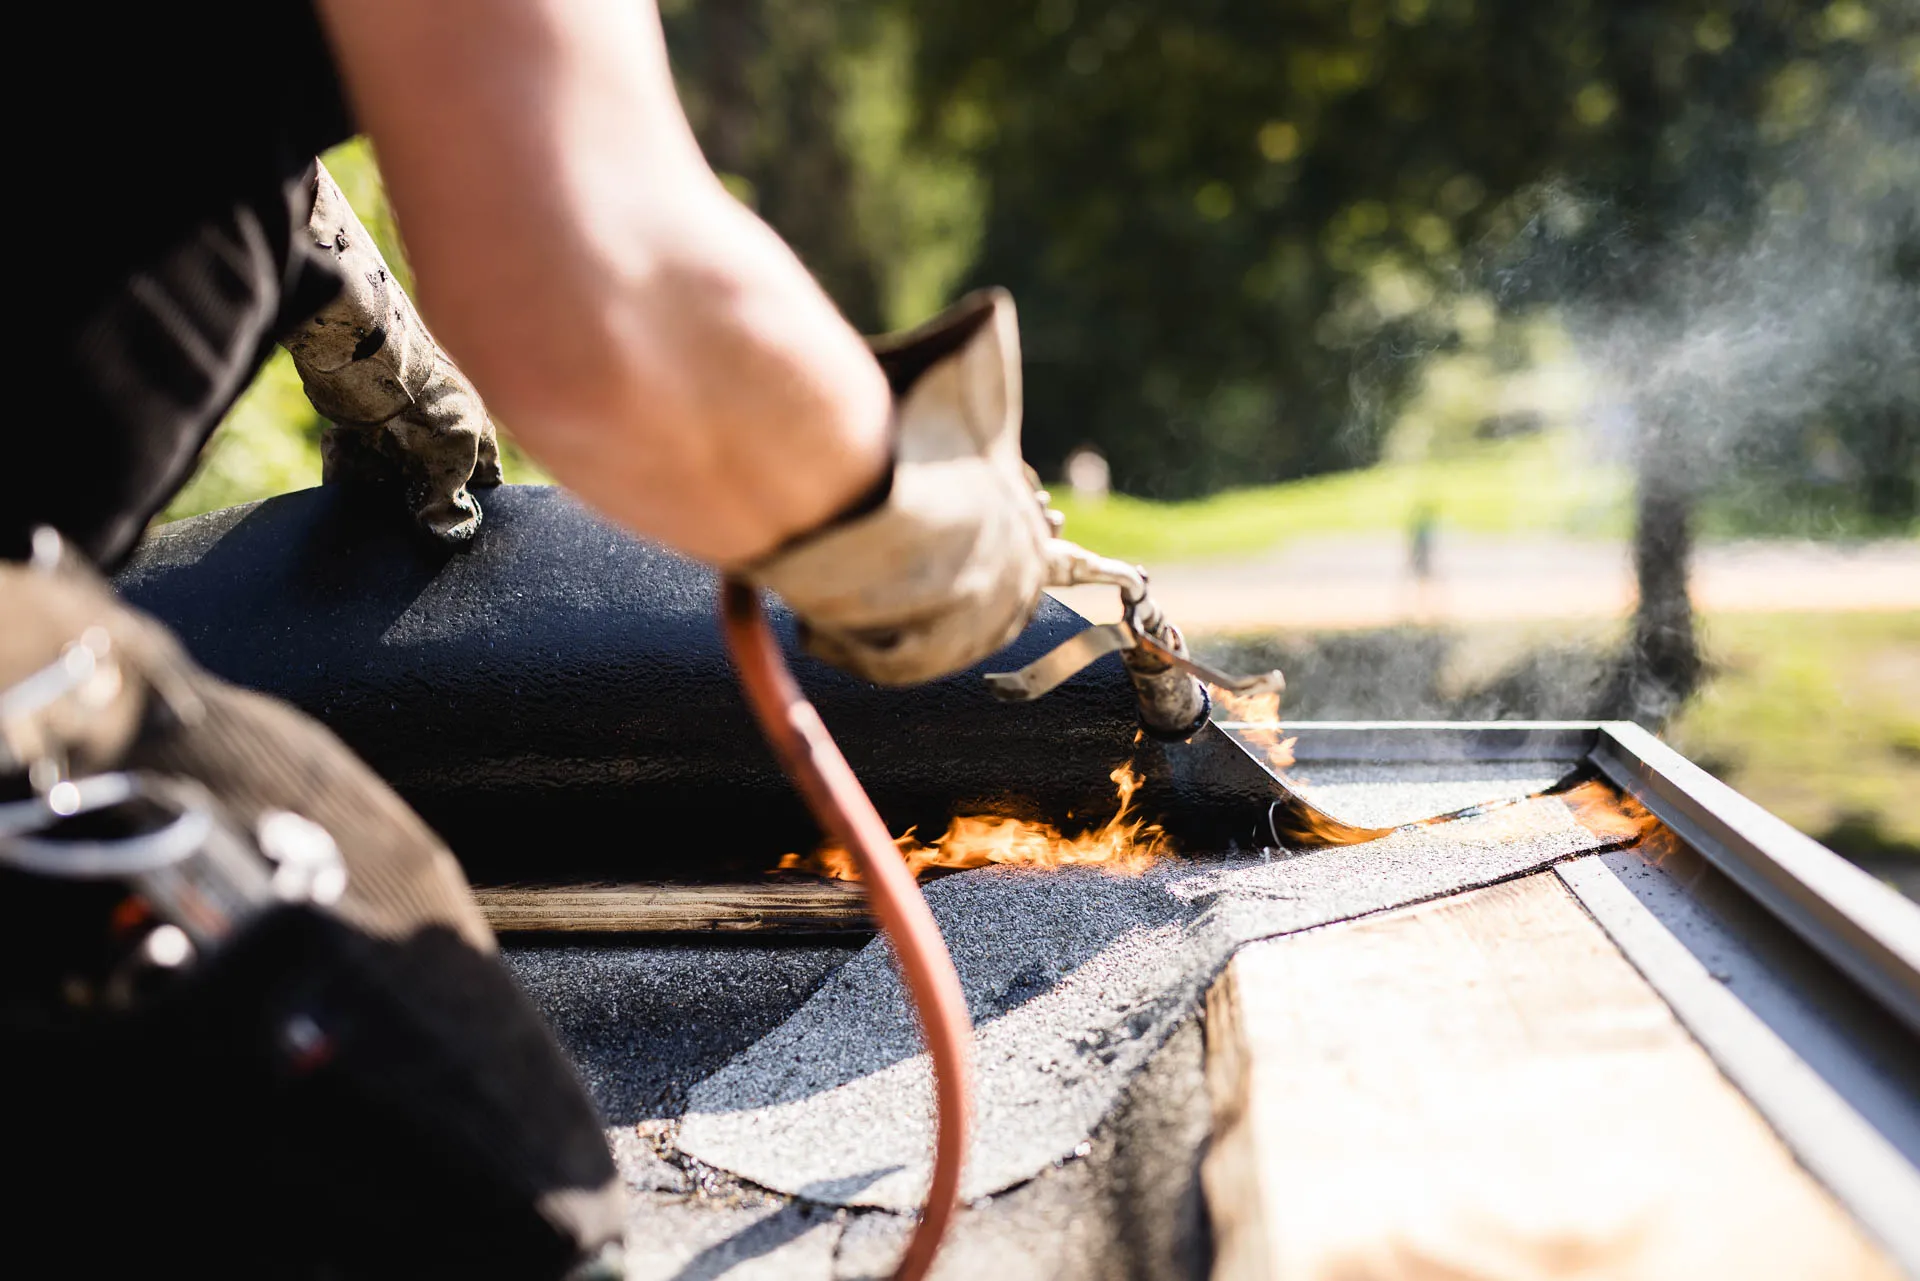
[[397, 408], [949, 566]]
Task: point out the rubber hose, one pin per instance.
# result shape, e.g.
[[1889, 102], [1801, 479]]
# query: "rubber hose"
[[840, 805]]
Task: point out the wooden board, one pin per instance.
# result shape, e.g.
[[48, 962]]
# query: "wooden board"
[[790, 907], [1483, 1087]]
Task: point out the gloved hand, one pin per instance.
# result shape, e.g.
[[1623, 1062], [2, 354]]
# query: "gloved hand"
[[396, 406], [948, 567]]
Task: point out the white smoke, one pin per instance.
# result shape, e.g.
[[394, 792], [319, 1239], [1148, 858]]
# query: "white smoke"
[[1748, 348]]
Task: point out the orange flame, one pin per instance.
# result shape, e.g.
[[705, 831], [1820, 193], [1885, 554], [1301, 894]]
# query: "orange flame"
[[1125, 845], [1610, 813], [1260, 713], [1298, 823]]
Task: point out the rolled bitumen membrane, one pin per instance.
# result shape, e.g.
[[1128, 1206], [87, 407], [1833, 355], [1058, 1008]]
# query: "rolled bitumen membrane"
[[752, 1087], [556, 702], [1073, 978], [1125, 1203], [1368, 794]]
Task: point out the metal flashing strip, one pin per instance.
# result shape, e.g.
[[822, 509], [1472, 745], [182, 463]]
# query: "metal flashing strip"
[[1435, 742], [1866, 929], [1842, 1100]]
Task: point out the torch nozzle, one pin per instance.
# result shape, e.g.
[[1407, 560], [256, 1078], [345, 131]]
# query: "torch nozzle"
[[1170, 684]]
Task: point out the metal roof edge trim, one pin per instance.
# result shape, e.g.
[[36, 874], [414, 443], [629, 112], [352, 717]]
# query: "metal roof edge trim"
[[1385, 742], [1842, 1146], [1867, 930]]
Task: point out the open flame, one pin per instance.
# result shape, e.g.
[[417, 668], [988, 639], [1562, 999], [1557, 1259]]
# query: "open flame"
[[1608, 812], [1125, 845], [1260, 713]]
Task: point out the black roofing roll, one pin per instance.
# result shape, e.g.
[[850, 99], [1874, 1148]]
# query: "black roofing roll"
[[556, 701]]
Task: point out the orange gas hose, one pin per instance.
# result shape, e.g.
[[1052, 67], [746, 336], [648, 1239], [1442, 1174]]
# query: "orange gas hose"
[[840, 805]]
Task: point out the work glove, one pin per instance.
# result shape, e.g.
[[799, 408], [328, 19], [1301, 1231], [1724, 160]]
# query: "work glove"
[[400, 413], [344, 1083], [949, 565]]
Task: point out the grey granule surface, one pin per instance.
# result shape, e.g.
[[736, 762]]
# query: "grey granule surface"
[[643, 1025], [769, 1105], [1370, 794], [1073, 978], [1127, 1204]]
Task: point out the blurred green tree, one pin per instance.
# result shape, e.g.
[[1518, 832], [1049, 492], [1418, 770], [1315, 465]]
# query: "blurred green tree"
[[805, 109], [1234, 228], [1239, 231]]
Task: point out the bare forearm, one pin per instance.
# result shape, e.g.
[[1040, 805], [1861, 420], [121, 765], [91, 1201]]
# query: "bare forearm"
[[646, 337]]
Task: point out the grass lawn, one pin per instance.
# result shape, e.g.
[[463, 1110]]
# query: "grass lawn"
[[1541, 484], [1814, 716], [1817, 717]]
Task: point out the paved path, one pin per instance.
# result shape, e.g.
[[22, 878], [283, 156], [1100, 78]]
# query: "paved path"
[[1366, 582]]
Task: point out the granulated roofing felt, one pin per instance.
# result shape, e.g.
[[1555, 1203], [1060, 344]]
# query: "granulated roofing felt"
[[1131, 1206], [1367, 794], [643, 1024], [1073, 978]]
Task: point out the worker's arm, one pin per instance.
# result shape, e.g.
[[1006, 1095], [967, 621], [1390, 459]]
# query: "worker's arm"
[[661, 350], [648, 339]]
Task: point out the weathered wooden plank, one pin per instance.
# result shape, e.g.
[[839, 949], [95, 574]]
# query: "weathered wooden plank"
[[1484, 1087], [795, 907]]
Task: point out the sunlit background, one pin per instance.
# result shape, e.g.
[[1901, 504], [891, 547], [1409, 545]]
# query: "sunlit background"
[[1469, 358]]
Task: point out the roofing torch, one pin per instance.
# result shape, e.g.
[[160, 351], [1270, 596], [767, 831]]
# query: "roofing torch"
[[1169, 682]]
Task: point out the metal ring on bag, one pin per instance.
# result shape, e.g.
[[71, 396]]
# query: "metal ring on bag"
[[186, 832]]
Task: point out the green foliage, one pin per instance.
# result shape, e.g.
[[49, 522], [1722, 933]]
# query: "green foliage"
[[1218, 237], [1817, 717], [1254, 242], [806, 110], [1236, 230], [918, 210], [268, 444]]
